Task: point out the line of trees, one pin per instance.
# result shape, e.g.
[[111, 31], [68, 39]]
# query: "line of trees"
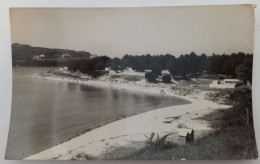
[[235, 65]]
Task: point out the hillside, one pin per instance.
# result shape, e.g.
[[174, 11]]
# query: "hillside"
[[25, 52]]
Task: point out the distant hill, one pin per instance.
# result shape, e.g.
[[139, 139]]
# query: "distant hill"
[[26, 52]]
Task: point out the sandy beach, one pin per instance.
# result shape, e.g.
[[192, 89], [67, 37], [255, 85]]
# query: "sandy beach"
[[133, 131]]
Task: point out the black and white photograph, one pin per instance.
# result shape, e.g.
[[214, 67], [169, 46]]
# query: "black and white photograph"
[[132, 83]]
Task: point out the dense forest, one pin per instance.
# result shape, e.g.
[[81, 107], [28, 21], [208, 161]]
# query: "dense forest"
[[235, 65]]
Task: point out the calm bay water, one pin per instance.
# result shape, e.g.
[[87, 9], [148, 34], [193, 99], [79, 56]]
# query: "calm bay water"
[[46, 113]]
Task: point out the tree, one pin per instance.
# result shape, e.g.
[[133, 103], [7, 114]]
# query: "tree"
[[87, 67], [156, 69], [115, 64], [139, 67], [104, 60], [150, 76], [193, 62], [128, 61], [244, 70], [74, 65], [180, 66], [166, 78], [203, 62]]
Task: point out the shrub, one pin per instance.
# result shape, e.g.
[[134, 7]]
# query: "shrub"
[[156, 69], [150, 76], [74, 65], [87, 67], [166, 78], [158, 142], [82, 156], [139, 67]]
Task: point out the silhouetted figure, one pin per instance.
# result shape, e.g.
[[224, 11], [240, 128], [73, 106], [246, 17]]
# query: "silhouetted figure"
[[190, 137], [187, 138]]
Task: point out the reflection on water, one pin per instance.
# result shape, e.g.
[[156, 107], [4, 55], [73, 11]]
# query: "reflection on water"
[[46, 112]]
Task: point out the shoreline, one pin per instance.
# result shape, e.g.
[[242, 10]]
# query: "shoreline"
[[127, 131], [119, 85]]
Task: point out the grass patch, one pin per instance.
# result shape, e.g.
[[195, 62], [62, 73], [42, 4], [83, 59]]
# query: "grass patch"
[[216, 146], [158, 142], [82, 156]]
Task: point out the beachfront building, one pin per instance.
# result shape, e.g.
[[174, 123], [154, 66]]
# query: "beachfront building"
[[224, 83], [39, 57], [129, 69], [147, 70], [65, 56], [166, 72]]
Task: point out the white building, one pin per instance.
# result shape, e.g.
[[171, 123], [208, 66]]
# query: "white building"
[[62, 69], [92, 56], [129, 69], [147, 70], [64, 56], [166, 72], [39, 57], [225, 83]]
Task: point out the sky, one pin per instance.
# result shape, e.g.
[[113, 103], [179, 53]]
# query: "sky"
[[115, 32]]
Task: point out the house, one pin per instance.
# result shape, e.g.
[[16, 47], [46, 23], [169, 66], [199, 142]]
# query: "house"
[[62, 69], [39, 57], [36, 57], [166, 72], [147, 70], [92, 56], [129, 69], [224, 83], [65, 56]]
